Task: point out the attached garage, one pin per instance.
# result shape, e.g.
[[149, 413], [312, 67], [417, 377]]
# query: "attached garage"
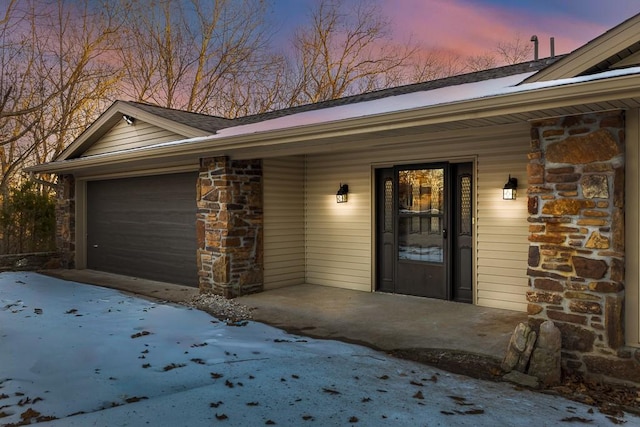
[[144, 227]]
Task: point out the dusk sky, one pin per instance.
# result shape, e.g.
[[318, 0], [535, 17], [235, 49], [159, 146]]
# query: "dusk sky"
[[470, 27]]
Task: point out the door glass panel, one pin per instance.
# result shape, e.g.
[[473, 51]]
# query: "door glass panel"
[[388, 205], [421, 213], [465, 205]]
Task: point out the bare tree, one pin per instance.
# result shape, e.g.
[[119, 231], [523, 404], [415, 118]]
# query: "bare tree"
[[80, 50], [481, 62], [344, 51], [505, 53], [516, 51], [187, 54], [434, 64], [56, 76]]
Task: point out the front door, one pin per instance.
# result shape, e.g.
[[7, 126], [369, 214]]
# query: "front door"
[[421, 248]]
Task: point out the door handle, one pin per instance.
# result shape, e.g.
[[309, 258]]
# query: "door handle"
[[444, 233]]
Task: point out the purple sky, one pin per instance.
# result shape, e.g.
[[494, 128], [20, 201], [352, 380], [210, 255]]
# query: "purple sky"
[[475, 26]]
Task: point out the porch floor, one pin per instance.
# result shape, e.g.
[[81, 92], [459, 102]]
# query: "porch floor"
[[422, 329]]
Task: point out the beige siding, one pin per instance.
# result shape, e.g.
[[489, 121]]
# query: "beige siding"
[[339, 237], [283, 222], [502, 230], [632, 230], [123, 136]]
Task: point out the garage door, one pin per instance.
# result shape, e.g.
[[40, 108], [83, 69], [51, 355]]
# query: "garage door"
[[144, 227]]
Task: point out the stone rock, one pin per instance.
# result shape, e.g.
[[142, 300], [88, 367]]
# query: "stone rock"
[[522, 379], [595, 186], [519, 349], [597, 146], [566, 206], [614, 321], [576, 338], [545, 359], [597, 241], [590, 268], [534, 256]]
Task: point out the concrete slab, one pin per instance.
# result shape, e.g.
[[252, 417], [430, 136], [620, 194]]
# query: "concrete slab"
[[450, 335], [384, 321], [142, 287]]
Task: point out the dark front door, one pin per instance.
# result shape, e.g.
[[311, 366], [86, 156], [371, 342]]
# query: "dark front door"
[[421, 248]]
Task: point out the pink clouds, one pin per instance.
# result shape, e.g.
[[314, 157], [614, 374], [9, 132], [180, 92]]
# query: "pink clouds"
[[471, 28]]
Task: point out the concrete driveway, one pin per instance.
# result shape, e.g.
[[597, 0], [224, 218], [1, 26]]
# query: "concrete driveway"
[[462, 338]]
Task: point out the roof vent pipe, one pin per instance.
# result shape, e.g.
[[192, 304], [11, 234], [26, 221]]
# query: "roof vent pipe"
[[534, 39], [553, 47]]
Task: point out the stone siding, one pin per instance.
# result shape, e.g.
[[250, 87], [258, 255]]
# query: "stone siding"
[[576, 235], [229, 226], [66, 220]]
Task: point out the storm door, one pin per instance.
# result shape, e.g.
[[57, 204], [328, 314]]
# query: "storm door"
[[418, 213]]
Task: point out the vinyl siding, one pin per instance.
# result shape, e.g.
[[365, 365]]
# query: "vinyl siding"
[[502, 230], [632, 229], [123, 136], [284, 254], [339, 237]]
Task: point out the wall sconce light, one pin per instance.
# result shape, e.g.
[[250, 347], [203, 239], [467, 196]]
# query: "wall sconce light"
[[130, 120], [510, 189], [342, 194]]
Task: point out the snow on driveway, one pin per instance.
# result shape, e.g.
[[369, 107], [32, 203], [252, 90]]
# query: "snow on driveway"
[[80, 355]]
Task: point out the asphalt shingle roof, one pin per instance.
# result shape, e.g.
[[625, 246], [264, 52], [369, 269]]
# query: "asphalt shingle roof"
[[214, 123]]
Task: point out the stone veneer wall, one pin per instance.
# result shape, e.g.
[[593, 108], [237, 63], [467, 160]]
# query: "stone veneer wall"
[[229, 226], [66, 220], [576, 235]]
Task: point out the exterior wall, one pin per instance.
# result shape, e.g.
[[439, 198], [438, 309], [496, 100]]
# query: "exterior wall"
[[66, 220], [632, 229], [229, 226], [123, 136], [284, 241], [340, 237], [576, 257], [501, 240]]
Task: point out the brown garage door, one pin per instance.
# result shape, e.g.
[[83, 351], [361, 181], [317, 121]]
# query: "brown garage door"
[[144, 227]]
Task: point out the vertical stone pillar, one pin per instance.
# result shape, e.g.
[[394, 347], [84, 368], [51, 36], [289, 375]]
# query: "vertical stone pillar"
[[576, 232], [66, 220], [229, 226]]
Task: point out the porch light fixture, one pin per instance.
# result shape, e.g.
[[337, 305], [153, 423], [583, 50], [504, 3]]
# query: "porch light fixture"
[[130, 120], [342, 194], [510, 189]]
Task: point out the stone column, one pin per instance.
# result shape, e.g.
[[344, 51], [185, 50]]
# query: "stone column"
[[576, 232], [229, 226], [66, 220]]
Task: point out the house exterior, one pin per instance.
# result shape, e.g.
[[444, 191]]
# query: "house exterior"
[[239, 206]]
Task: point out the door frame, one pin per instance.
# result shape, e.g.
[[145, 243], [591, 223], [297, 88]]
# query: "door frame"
[[374, 207]]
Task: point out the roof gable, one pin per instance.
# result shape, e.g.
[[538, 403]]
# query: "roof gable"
[[617, 48], [151, 124]]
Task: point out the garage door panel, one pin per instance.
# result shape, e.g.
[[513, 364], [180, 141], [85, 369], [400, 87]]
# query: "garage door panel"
[[144, 227]]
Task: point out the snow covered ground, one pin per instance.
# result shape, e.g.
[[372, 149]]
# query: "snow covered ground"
[[89, 356]]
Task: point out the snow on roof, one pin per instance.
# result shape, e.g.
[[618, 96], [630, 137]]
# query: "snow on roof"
[[402, 102]]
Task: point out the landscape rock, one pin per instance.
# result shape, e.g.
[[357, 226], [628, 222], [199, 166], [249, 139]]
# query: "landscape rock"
[[519, 350], [545, 359]]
